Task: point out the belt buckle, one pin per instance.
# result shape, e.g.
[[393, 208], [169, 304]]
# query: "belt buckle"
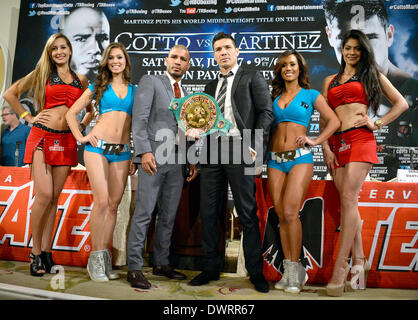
[[112, 148], [279, 160], [285, 156]]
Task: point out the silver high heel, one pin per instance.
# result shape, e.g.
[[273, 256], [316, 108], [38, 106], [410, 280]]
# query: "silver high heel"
[[297, 277], [112, 275], [96, 266], [280, 285]]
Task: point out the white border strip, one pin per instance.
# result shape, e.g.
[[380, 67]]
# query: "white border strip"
[[30, 293]]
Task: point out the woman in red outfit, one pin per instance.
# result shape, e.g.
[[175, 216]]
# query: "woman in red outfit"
[[351, 151], [51, 149]]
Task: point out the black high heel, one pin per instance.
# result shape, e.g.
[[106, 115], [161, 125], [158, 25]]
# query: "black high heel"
[[47, 261], [36, 265]]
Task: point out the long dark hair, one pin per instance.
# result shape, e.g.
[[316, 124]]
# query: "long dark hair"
[[366, 69], [278, 83], [104, 76]]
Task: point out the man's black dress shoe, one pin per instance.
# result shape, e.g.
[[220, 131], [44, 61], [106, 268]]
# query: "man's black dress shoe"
[[138, 280], [168, 271], [260, 283], [204, 278]]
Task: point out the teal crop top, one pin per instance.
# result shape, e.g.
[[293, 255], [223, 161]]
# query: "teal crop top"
[[111, 102], [299, 110]]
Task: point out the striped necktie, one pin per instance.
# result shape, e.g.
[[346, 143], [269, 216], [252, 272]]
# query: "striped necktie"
[[221, 97]]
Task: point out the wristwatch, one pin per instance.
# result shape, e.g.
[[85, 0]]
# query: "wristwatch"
[[378, 123]]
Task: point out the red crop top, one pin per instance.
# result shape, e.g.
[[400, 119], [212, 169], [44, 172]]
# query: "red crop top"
[[58, 93], [350, 91]]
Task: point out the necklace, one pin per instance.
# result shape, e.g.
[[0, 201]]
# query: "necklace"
[[348, 74], [67, 77]]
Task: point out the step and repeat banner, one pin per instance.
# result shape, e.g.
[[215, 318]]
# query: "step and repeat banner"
[[262, 28], [389, 214], [71, 236]]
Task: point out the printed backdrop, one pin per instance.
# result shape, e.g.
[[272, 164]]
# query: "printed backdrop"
[[262, 28], [71, 235], [389, 212]]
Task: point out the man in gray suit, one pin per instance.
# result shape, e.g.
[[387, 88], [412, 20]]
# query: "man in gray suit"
[[160, 179]]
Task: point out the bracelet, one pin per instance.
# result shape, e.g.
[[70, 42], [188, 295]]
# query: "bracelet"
[[378, 123], [24, 114]]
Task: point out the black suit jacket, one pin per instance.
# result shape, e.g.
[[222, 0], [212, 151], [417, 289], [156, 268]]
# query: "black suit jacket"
[[251, 104]]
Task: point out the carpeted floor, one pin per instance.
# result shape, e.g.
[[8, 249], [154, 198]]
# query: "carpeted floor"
[[75, 281]]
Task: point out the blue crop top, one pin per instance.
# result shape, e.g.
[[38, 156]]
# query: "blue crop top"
[[111, 102], [299, 110]]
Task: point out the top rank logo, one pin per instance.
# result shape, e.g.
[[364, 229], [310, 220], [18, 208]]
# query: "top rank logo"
[[310, 215], [389, 230], [71, 226]]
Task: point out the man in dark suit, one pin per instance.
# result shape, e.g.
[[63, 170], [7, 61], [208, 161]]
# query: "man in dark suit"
[[244, 98], [160, 172]]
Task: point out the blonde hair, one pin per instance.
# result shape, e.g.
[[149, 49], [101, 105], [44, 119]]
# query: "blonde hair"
[[104, 76], [36, 81]]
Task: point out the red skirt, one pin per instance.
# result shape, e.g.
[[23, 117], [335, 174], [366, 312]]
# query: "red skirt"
[[59, 147], [354, 145]]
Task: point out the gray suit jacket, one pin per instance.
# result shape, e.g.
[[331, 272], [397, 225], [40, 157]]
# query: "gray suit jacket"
[[150, 113]]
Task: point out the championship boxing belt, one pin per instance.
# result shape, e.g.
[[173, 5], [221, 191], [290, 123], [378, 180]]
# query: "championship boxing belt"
[[199, 111]]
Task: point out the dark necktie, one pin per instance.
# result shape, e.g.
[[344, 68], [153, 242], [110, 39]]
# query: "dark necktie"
[[222, 91], [177, 93]]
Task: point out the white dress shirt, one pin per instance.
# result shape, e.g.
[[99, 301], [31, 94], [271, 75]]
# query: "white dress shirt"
[[228, 112], [172, 81]]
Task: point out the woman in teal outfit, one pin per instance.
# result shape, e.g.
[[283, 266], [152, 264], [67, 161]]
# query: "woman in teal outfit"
[[107, 153], [290, 166]]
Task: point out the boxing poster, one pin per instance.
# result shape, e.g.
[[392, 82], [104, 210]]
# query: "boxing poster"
[[262, 29]]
